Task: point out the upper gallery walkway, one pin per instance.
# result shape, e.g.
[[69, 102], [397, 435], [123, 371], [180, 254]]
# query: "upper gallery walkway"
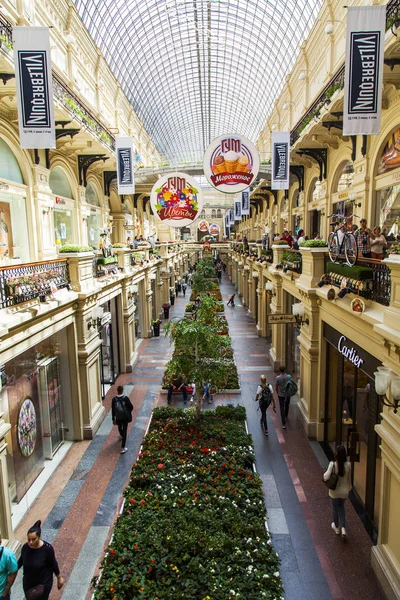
[[81, 500]]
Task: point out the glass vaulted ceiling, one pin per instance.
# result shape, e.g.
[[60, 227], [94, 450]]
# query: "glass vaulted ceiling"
[[196, 69]]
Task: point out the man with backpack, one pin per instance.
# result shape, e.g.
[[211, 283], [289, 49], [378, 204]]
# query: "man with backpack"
[[121, 411], [285, 387], [265, 397]]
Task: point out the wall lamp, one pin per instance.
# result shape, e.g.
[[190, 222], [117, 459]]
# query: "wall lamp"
[[383, 380], [298, 311], [95, 319], [47, 210], [269, 287]]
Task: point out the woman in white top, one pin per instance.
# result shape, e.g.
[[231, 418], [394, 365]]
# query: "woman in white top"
[[377, 244], [264, 400], [342, 468]]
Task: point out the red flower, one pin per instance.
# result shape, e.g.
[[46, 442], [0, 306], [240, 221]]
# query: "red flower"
[[132, 501], [112, 552], [160, 466]]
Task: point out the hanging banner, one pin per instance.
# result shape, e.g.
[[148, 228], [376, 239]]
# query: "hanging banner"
[[203, 226], [214, 229], [365, 38], [227, 221], [238, 209], [231, 216], [231, 163], [34, 87], [246, 202], [124, 158], [176, 199], [280, 160]]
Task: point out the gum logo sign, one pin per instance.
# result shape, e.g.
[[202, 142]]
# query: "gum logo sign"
[[231, 163], [176, 199]]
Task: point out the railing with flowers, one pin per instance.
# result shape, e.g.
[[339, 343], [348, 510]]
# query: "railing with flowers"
[[35, 280], [369, 279], [5, 33], [337, 81]]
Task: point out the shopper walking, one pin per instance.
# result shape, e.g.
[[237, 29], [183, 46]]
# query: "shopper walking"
[[231, 301], [284, 399], [184, 288], [342, 468], [39, 563], [265, 397], [8, 571], [121, 411]]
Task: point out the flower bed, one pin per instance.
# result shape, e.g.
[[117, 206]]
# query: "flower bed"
[[192, 526]]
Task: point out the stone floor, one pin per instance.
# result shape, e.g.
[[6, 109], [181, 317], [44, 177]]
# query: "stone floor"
[[82, 499]]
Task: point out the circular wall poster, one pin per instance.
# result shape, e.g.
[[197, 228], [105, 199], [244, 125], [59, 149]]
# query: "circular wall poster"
[[214, 229], [26, 427], [176, 199], [231, 163], [203, 226]]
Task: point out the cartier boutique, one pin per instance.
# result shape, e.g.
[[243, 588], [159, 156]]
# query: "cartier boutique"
[[350, 414]]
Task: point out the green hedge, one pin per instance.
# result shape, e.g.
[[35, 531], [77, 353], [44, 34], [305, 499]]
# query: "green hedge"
[[109, 260], [193, 523], [356, 272]]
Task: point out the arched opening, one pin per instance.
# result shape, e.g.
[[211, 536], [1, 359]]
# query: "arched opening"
[[314, 219], [14, 238], [64, 226], [342, 189], [386, 205], [94, 224]]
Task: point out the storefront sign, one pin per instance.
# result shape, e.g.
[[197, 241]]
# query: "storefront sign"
[[214, 229], [280, 160], [231, 163], [280, 319], [60, 200], [124, 159], [246, 202], [176, 199], [364, 69], [349, 352], [34, 87]]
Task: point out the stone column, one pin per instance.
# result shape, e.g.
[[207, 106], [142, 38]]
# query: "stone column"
[[277, 350], [260, 307], [128, 354], [245, 298], [165, 288], [118, 234]]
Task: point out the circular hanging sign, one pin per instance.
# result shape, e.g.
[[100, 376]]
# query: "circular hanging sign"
[[203, 226], [231, 163], [214, 229], [27, 428], [176, 199]]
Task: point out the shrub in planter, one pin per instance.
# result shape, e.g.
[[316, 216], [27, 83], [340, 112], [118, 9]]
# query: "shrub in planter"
[[74, 248], [313, 244], [193, 523]]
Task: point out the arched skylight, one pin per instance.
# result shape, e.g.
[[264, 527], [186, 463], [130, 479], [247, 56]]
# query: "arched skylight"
[[196, 69]]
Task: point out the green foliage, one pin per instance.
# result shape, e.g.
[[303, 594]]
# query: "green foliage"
[[356, 272], [193, 522], [291, 257], [74, 248], [394, 249], [119, 245], [314, 244], [280, 243], [109, 260]]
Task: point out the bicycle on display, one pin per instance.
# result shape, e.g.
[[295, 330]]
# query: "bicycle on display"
[[342, 245]]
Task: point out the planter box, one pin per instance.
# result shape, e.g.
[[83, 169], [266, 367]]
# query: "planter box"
[[80, 270]]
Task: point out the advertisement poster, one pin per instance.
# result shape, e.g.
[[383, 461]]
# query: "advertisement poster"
[[214, 229], [124, 159], [203, 226], [365, 36], [34, 87], [231, 163], [176, 199], [390, 155], [280, 160]]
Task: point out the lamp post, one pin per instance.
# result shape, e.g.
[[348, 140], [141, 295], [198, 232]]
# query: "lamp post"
[[383, 380]]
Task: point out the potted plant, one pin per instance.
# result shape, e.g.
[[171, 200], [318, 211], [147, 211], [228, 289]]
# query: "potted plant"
[[156, 327], [166, 306]]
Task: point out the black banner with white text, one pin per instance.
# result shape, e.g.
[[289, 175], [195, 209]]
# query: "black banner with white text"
[[125, 173], [280, 160]]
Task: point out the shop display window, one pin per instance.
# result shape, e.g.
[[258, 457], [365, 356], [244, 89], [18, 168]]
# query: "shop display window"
[[33, 401], [94, 230], [387, 210], [63, 227], [346, 177], [14, 238]]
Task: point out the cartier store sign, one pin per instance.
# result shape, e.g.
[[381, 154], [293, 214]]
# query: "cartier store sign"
[[351, 351]]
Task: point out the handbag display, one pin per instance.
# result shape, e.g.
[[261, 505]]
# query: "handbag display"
[[35, 592], [332, 482]]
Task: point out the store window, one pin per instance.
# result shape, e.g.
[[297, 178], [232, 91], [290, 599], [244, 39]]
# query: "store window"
[[94, 217], [346, 176], [343, 204], [9, 167], [64, 207], [59, 183], [36, 401], [387, 200]]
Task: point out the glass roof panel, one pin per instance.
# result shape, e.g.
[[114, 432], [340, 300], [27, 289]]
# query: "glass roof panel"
[[196, 69]]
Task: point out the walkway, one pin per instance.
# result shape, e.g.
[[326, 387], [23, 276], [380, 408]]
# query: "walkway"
[[80, 503]]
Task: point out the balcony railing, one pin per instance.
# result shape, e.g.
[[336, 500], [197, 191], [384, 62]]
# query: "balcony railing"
[[375, 287], [34, 280], [336, 83], [5, 33], [77, 108], [292, 261]]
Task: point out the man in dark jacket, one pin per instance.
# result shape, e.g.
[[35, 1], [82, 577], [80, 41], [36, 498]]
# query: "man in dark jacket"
[[177, 384], [121, 410]]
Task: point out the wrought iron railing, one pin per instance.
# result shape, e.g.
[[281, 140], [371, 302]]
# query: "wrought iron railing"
[[337, 82], [34, 280], [292, 261], [376, 288], [80, 111], [5, 33]]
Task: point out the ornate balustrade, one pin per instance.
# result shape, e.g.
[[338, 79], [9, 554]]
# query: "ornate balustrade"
[[33, 280]]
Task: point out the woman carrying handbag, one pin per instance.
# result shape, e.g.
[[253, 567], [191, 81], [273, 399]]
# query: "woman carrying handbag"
[[338, 480]]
